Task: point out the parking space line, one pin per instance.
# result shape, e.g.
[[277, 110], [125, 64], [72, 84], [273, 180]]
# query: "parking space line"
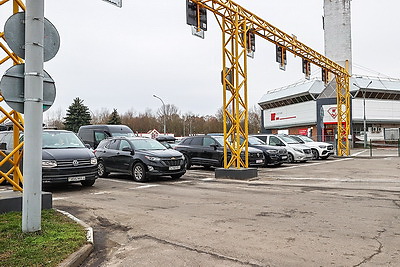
[[59, 198], [312, 164], [145, 186], [101, 193], [208, 179]]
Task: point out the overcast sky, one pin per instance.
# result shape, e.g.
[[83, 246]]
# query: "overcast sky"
[[119, 57]]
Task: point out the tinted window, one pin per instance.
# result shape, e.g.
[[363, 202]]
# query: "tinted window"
[[185, 141], [274, 141], [124, 144], [98, 136], [208, 141], [113, 144], [197, 141]]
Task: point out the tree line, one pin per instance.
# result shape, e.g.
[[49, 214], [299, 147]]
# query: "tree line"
[[176, 123]]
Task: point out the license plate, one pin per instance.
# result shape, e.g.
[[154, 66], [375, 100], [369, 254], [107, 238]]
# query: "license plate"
[[76, 178], [259, 161], [284, 157], [174, 168]]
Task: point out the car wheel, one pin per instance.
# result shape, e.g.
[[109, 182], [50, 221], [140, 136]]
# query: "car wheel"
[[101, 170], [187, 162], [176, 176], [290, 158], [88, 182], [139, 172], [315, 154]]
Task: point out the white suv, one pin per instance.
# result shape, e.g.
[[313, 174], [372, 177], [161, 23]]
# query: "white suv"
[[296, 151], [319, 149]]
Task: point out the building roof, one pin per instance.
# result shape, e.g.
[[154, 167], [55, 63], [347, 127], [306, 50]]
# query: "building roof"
[[307, 90]]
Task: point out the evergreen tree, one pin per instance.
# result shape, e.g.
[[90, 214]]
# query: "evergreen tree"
[[77, 115], [114, 118]]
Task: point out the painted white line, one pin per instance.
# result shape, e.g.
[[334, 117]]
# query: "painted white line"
[[59, 198], [183, 182], [101, 193], [208, 179], [145, 186], [358, 153], [311, 164]]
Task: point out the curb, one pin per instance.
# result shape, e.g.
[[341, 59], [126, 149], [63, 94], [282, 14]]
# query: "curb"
[[79, 256]]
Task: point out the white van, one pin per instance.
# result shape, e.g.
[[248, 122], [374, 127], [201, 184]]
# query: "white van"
[[296, 151]]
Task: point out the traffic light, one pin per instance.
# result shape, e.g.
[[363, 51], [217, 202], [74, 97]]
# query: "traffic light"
[[281, 57], [196, 16], [251, 43], [325, 75], [306, 68]]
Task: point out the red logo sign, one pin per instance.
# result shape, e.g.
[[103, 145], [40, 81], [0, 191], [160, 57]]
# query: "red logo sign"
[[333, 112]]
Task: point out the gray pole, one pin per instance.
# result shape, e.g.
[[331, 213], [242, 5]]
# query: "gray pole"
[[365, 124], [165, 127], [33, 110]]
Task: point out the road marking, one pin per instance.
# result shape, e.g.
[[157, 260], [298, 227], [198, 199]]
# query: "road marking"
[[311, 164], [358, 153], [183, 182], [59, 198], [100, 193], [145, 186], [208, 179]]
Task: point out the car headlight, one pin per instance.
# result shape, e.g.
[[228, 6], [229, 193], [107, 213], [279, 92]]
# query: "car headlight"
[[152, 158], [93, 161], [49, 163], [272, 151], [322, 146], [298, 150]]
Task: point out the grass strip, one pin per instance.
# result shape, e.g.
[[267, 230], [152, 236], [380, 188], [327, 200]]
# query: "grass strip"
[[58, 238]]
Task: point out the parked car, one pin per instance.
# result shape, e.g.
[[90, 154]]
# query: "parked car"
[[274, 156], [93, 134], [296, 151], [65, 159], [141, 158], [207, 151], [167, 141], [318, 149]]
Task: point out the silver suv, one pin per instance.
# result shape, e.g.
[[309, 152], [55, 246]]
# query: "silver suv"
[[319, 149]]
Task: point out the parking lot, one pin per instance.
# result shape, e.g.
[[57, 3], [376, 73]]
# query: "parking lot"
[[339, 212]]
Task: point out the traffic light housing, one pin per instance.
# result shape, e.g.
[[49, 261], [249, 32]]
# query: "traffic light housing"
[[196, 16]]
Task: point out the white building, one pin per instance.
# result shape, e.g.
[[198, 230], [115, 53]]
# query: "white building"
[[310, 108]]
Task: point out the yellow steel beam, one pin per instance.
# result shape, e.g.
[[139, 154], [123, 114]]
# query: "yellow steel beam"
[[232, 12], [16, 118]]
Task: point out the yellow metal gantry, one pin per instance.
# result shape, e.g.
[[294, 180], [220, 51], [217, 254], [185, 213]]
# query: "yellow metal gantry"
[[235, 23], [14, 158]]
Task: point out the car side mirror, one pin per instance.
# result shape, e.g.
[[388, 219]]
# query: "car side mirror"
[[127, 149], [88, 146], [214, 146]]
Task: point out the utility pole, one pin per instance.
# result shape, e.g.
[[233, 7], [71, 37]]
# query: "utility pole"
[[33, 109], [164, 115]]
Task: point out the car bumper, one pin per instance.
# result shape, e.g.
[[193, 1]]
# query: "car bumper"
[[65, 175], [156, 170]]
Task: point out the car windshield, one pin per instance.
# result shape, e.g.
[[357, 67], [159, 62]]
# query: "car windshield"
[[255, 141], [61, 140], [306, 138], [147, 144], [288, 139]]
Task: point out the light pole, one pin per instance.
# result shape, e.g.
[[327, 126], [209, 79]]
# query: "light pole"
[[364, 119], [163, 112]]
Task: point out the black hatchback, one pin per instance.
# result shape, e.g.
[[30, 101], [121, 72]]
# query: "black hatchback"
[[140, 157]]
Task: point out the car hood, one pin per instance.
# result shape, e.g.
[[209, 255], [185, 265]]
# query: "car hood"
[[316, 144], [167, 153], [67, 153], [299, 146]]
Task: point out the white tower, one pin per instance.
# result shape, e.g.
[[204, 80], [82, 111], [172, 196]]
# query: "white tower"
[[337, 31]]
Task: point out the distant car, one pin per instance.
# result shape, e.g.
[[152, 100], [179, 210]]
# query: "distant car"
[[93, 134], [142, 158], [65, 159], [274, 156], [208, 150], [318, 149], [167, 141], [296, 151]]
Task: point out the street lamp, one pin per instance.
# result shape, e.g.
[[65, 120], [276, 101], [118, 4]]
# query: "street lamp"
[[163, 112], [364, 119]]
